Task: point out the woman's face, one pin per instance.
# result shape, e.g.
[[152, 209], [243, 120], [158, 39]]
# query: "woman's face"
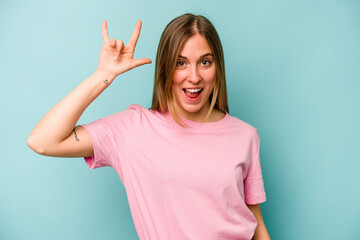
[[194, 79]]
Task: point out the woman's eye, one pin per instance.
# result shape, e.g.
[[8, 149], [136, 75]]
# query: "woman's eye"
[[205, 62], [180, 63]]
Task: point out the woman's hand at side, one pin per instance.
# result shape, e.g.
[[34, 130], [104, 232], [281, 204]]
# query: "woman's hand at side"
[[115, 57], [56, 133]]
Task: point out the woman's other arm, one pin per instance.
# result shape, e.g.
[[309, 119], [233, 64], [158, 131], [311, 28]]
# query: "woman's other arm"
[[56, 133], [261, 232]]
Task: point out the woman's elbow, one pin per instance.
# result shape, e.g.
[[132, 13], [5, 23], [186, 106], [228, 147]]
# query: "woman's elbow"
[[35, 146]]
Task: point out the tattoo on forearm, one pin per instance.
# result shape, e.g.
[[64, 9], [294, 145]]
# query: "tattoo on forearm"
[[76, 138], [106, 81]]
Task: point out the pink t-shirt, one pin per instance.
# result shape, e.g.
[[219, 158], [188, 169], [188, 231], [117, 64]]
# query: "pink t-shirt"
[[182, 183]]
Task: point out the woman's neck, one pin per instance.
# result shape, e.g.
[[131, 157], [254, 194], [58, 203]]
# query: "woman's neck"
[[200, 116]]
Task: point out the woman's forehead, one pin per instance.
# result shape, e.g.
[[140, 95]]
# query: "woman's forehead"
[[195, 46]]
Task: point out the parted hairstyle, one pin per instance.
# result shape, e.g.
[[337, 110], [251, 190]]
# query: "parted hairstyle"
[[172, 40]]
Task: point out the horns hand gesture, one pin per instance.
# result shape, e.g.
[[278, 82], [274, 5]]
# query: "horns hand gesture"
[[115, 57]]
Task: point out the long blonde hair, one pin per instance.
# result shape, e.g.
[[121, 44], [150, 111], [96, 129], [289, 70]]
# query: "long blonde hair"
[[172, 40]]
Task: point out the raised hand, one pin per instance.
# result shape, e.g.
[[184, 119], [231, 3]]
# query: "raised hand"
[[115, 57]]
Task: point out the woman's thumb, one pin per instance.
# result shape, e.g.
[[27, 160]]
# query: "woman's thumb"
[[141, 61]]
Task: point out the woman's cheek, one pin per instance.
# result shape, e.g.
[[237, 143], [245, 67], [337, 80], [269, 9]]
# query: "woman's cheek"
[[177, 76], [210, 75]]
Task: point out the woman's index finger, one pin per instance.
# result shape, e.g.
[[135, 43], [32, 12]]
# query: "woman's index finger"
[[135, 36], [105, 33]]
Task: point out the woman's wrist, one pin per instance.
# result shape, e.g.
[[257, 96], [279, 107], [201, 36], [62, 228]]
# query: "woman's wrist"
[[106, 77]]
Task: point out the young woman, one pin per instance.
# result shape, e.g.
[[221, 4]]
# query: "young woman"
[[190, 170]]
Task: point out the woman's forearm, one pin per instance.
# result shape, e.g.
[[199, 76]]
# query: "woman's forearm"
[[59, 122], [261, 233]]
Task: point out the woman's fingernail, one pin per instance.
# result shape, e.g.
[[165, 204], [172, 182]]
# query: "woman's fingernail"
[[115, 57]]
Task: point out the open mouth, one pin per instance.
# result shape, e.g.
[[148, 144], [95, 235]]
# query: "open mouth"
[[192, 93]]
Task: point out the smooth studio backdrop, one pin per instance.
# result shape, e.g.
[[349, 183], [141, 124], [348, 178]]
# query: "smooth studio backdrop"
[[293, 71]]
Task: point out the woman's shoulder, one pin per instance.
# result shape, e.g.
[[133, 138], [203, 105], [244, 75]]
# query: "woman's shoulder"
[[136, 106], [145, 114], [140, 109], [129, 114], [243, 125]]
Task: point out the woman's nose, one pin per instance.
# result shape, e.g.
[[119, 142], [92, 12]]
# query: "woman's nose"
[[194, 75]]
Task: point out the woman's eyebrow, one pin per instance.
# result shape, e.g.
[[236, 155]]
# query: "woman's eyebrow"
[[202, 56]]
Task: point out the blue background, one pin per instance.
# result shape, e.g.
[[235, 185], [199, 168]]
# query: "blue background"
[[293, 71]]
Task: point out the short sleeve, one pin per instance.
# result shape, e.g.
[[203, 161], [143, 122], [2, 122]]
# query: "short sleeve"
[[108, 135], [253, 183]]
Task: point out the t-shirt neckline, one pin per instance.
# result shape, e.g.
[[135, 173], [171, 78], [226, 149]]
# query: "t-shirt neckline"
[[200, 125]]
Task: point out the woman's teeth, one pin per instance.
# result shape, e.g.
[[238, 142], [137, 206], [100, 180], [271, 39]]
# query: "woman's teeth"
[[193, 90]]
